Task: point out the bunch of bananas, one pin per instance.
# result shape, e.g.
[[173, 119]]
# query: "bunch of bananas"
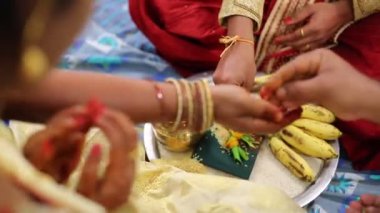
[[308, 136]]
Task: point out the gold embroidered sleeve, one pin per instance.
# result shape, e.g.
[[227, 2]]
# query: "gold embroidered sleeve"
[[250, 8], [364, 8]]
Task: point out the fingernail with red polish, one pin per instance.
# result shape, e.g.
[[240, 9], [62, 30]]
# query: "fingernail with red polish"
[[294, 113], [96, 151], [80, 122], [283, 109], [95, 109], [47, 149], [265, 93], [287, 20]]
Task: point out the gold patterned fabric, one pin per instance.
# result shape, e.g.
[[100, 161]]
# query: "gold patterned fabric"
[[364, 8], [250, 8]]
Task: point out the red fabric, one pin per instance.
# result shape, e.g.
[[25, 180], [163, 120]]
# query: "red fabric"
[[186, 34], [360, 45]]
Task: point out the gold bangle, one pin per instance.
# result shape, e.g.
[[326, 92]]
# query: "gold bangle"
[[179, 104], [203, 105], [210, 104], [197, 107], [340, 31], [190, 105]]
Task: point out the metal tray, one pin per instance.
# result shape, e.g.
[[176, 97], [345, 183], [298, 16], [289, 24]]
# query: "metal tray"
[[313, 191], [325, 175]]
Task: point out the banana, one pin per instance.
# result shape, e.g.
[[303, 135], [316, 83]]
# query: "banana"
[[262, 79], [317, 113], [318, 129], [307, 144], [292, 160]]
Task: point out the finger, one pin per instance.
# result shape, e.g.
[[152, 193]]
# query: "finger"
[[370, 200], [262, 109], [353, 210], [88, 184], [355, 206], [116, 186], [303, 38], [300, 17], [290, 37], [372, 209], [300, 33], [299, 92], [262, 126], [309, 46], [68, 113], [118, 129], [258, 126], [304, 66]]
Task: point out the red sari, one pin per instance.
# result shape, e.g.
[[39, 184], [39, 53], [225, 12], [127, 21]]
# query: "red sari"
[[186, 34]]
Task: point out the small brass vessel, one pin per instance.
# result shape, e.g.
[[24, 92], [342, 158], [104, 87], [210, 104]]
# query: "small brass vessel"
[[181, 140]]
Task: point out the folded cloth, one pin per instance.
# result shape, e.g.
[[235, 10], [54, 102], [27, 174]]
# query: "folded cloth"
[[168, 189]]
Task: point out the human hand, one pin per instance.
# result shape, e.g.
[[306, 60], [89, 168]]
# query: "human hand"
[[322, 20], [323, 78], [237, 66], [367, 203], [114, 188], [56, 150], [239, 110]]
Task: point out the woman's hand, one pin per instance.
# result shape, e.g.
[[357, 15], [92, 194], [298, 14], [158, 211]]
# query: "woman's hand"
[[114, 188], [237, 66], [322, 21], [56, 150], [323, 78], [241, 111]]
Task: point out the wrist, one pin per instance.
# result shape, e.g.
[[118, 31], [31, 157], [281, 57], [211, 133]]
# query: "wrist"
[[346, 10], [241, 26], [168, 102]]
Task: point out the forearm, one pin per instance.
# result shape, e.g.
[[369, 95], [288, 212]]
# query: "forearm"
[[137, 98], [252, 10], [370, 104], [241, 26], [346, 10]]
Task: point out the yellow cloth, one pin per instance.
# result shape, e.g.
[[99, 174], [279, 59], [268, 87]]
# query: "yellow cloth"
[[364, 8], [250, 8], [166, 189]]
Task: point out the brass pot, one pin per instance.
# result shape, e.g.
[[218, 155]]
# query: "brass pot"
[[176, 141]]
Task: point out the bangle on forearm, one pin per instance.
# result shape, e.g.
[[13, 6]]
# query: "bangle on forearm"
[[189, 106], [340, 31], [195, 108], [210, 104], [179, 103], [204, 106], [230, 41]]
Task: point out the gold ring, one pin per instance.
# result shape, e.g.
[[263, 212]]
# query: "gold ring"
[[302, 32]]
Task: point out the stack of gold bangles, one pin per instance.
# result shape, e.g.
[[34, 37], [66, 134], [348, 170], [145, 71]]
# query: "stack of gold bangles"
[[195, 106]]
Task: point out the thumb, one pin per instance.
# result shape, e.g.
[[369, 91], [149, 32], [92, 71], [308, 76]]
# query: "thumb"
[[300, 16], [89, 181], [300, 92]]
